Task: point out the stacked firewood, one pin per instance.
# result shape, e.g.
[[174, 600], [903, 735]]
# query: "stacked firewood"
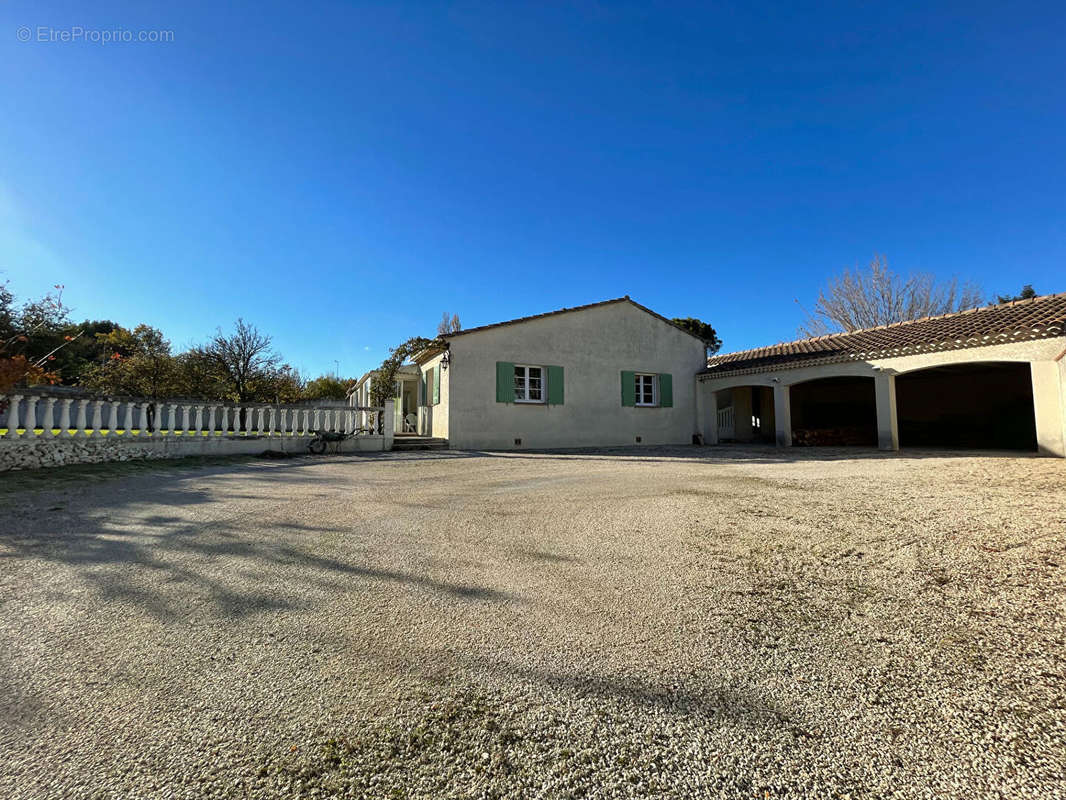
[[832, 437]]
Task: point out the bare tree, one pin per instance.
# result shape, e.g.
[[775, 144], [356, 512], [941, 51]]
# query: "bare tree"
[[875, 296], [243, 359], [448, 324]]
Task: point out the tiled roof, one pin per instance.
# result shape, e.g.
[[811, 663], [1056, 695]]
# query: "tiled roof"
[[625, 299], [1020, 320]]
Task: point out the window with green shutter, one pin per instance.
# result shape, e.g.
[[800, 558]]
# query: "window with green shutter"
[[629, 391], [666, 390], [504, 382], [555, 386]]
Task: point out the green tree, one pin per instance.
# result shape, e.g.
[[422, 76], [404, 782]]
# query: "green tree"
[[382, 387], [1027, 293], [701, 329], [137, 362], [327, 387]]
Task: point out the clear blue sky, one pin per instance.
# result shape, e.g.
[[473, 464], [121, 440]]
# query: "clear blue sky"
[[340, 174]]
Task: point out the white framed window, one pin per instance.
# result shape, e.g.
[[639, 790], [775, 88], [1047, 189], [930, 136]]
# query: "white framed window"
[[528, 384], [647, 389]]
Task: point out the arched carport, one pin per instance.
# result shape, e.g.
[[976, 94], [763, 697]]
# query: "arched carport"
[[991, 377], [986, 405], [837, 410]]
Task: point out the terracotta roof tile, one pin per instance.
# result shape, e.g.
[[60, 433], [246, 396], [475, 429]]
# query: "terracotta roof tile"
[[1036, 318]]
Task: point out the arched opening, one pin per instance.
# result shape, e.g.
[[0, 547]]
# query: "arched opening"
[[834, 411], [985, 405], [746, 414]]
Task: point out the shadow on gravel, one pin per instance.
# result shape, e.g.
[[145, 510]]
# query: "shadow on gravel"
[[173, 565]]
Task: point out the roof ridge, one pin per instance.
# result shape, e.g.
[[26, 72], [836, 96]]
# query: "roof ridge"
[[623, 299], [899, 324]]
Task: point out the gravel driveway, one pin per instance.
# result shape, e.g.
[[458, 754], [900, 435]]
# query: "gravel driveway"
[[659, 622]]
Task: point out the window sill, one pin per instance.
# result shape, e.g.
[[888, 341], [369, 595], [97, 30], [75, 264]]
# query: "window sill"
[[529, 402]]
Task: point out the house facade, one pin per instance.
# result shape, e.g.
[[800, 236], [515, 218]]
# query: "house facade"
[[616, 373]]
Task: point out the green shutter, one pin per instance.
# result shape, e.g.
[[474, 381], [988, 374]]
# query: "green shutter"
[[629, 388], [555, 386], [666, 390], [504, 382], [436, 385]]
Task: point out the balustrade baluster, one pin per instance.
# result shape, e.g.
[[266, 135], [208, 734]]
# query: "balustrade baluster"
[[199, 420], [13, 416], [64, 417], [127, 420], [79, 419], [211, 420]]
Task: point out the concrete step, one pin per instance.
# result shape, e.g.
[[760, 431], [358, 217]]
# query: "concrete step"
[[419, 443]]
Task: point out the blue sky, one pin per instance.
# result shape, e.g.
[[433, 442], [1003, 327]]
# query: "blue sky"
[[342, 174]]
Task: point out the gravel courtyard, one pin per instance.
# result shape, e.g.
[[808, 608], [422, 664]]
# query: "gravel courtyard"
[[680, 623]]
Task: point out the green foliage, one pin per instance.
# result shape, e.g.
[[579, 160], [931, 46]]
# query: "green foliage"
[[327, 387], [382, 387], [1027, 293], [136, 363], [701, 329]]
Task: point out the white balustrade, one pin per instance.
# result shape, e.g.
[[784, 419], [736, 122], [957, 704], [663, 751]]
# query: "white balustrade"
[[146, 429], [13, 416], [225, 420], [185, 419], [259, 420], [237, 426], [199, 420], [211, 420]]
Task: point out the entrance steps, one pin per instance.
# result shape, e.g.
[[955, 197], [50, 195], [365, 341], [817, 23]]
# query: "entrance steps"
[[419, 443]]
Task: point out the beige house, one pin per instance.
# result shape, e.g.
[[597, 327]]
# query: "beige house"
[[616, 373], [610, 373]]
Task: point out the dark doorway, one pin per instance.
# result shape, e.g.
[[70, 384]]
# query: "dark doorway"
[[834, 411], [985, 405]]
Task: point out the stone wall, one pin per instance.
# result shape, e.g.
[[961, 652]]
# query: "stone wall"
[[40, 452]]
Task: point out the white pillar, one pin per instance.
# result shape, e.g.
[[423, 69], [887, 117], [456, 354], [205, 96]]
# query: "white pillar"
[[237, 421], [782, 415], [887, 421], [225, 420], [271, 414], [49, 417], [146, 429], [389, 428], [175, 421], [127, 420], [710, 415], [98, 416], [79, 419], [260, 420], [64, 417], [211, 420], [13, 416], [185, 418], [1049, 406], [199, 419], [29, 422]]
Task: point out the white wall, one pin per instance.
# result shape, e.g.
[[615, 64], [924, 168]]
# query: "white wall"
[[593, 346]]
